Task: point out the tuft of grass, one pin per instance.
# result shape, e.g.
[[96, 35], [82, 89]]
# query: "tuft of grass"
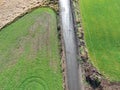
[[101, 22], [29, 53]]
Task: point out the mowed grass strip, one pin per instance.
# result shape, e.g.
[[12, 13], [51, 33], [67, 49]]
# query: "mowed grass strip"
[[29, 53], [101, 22]]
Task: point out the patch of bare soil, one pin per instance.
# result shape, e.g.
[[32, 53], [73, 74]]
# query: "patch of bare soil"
[[12, 9], [1, 1], [94, 80]]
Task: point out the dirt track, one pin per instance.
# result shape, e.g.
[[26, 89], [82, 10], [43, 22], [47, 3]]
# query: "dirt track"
[[10, 9], [67, 26]]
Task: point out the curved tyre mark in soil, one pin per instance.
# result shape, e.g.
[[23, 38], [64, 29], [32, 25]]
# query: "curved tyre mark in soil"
[[33, 82]]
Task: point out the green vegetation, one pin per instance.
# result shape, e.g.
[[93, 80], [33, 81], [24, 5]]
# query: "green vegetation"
[[101, 22], [29, 53]]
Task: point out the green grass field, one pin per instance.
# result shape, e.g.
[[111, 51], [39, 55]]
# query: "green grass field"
[[101, 22], [29, 53]]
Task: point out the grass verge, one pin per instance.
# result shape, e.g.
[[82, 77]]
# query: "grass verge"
[[101, 21], [29, 53]]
